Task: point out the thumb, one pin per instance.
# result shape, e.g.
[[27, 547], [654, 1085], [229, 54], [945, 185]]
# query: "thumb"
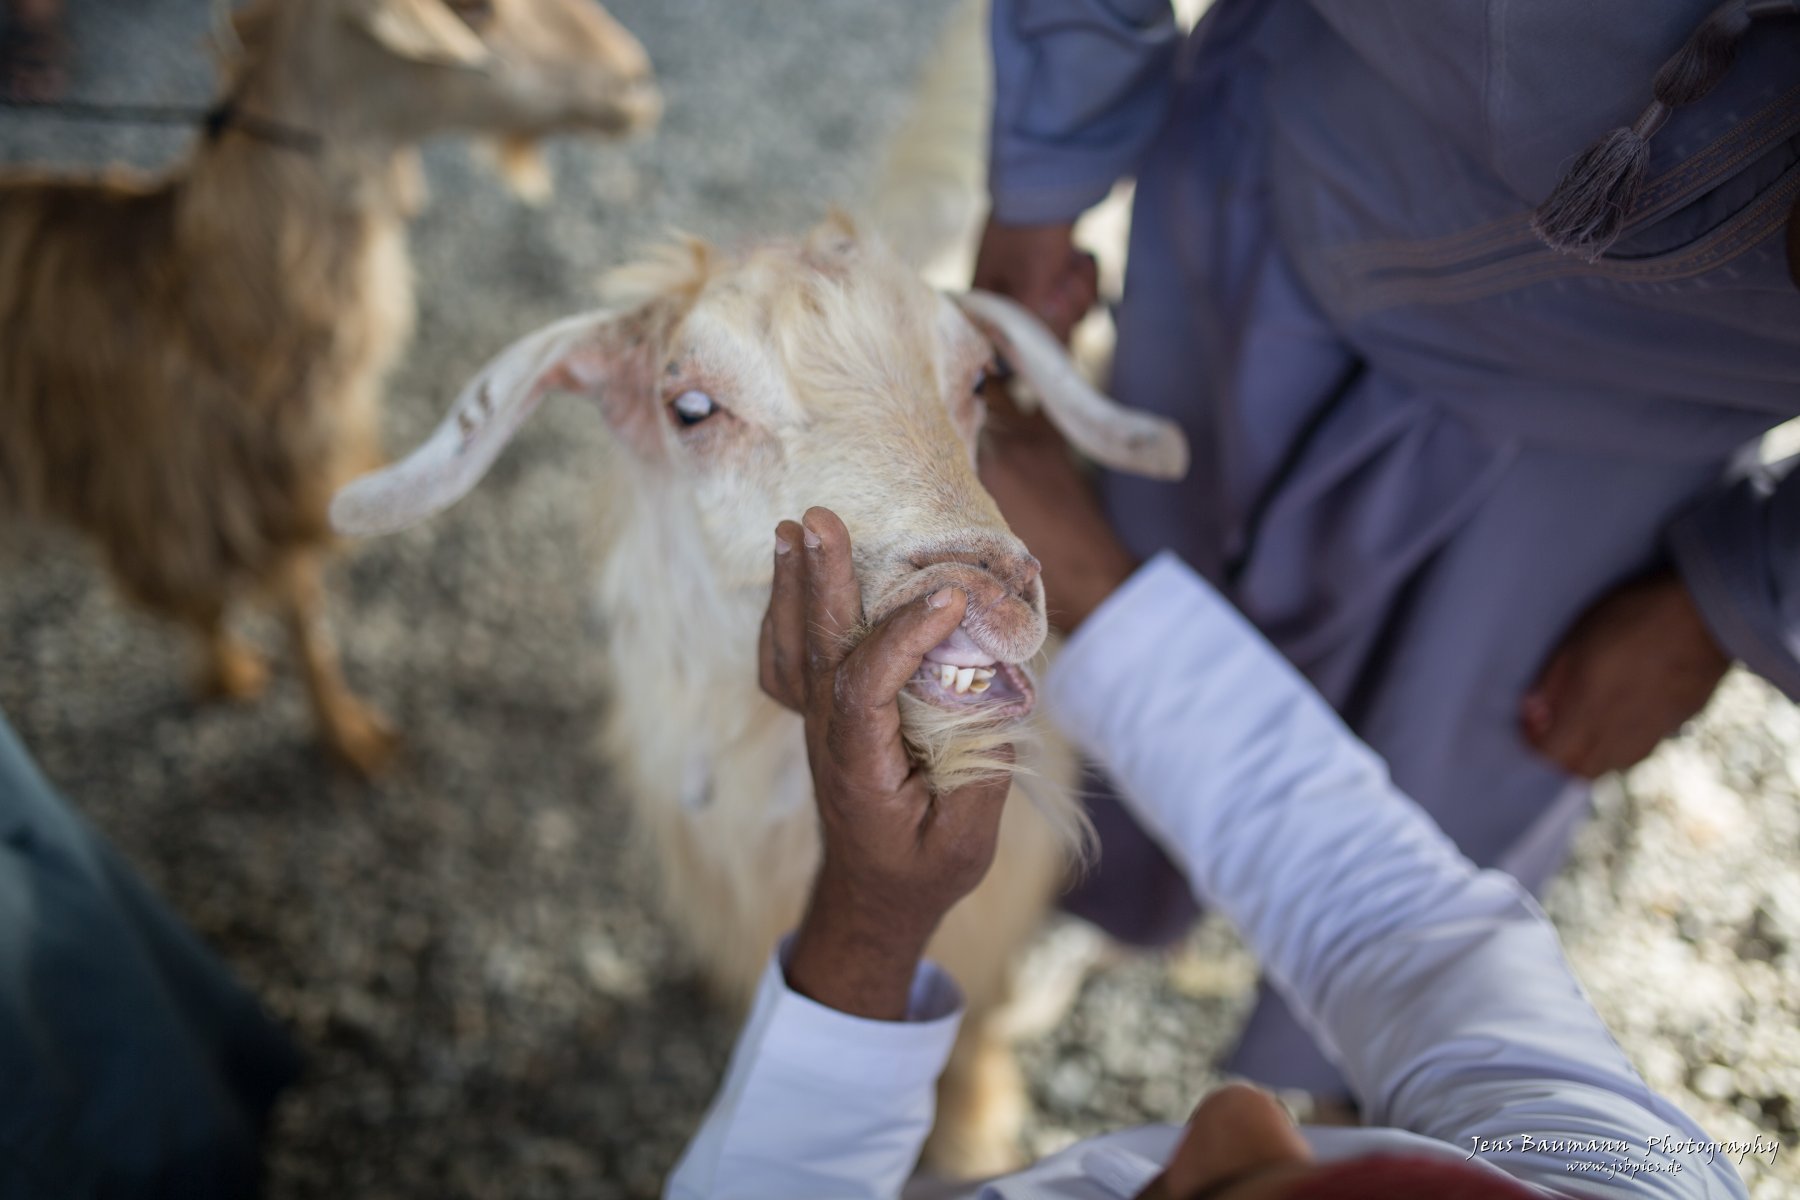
[[883, 662]]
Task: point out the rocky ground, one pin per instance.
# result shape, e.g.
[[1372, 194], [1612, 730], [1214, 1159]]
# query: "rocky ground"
[[466, 949]]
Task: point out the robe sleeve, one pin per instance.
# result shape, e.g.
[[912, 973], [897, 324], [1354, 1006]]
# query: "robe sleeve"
[[1080, 89], [1739, 552], [1438, 988], [821, 1105]]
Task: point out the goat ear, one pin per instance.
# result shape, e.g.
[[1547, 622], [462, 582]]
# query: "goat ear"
[[603, 355], [1107, 433], [422, 31]]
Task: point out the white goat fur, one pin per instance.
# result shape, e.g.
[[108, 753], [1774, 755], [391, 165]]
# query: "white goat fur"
[[717, 771], [717, 775], [842, 381]]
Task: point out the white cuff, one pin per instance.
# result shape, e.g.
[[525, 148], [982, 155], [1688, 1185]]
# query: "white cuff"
[[821, 1104], [808, 1038]]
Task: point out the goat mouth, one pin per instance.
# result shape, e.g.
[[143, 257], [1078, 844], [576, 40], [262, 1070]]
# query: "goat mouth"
[[958, 675]]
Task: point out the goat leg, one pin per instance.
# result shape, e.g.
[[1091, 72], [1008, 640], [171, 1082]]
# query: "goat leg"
[[358, 734], [981, 1106], [232, 670]]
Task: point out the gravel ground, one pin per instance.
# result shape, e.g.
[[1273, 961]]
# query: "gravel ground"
[[466, 950]]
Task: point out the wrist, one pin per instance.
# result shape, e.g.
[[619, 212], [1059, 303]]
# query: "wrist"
[[1062, 227], [1087, 588], [1701, 637], [856, 956]]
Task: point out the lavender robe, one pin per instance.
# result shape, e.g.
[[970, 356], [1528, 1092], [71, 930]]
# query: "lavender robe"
[[1425, 443]]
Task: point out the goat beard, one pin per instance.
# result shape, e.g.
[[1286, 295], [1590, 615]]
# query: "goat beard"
[[955, 748]]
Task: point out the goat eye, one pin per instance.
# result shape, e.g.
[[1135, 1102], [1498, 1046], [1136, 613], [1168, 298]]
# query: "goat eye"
[[691, 408], [981, 381]]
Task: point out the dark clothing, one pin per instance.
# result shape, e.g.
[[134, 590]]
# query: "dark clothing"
[[131, 1065], [1424, 442]]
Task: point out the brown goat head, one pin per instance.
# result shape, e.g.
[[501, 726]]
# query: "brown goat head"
[[406, 69]]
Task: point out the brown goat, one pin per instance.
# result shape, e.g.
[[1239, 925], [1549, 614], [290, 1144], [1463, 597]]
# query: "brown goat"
[[190, 366]]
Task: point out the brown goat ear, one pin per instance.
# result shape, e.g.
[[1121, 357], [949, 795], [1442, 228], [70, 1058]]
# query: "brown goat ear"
[[421, 31], [609, 357], [1100, 428]]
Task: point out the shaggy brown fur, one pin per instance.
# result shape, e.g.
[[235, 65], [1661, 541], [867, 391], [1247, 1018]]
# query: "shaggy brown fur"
[[190, 367]]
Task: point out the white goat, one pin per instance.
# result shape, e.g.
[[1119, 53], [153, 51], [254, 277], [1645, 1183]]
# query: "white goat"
[[190, 366], [740, 392]]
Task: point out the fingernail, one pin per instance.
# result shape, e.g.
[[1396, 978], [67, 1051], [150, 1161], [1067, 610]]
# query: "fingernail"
[[940, 598], [782, 545], [810, 538]]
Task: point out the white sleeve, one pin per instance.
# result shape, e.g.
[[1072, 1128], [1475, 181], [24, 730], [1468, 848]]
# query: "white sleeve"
[[1440, 990], [821, 1105]]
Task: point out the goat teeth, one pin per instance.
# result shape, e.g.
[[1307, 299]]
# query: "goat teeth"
[[981, 685], [982, 673], [964, 678], [947, 676]]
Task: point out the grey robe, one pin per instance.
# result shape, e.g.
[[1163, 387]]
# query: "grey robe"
[[1425, 443]]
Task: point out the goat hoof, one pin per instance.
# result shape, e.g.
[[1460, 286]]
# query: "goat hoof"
[[234, 673], [363, 740]]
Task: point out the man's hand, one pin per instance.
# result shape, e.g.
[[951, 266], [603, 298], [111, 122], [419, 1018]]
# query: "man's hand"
[[1025, 463], [1630, 673], [895, 857], [1039, 266], [1049, 502]]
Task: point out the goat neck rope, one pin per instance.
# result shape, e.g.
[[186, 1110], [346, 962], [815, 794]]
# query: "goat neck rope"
[[226, 116]]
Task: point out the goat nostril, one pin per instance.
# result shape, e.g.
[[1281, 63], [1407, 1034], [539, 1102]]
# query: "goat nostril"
[[1017, 575]]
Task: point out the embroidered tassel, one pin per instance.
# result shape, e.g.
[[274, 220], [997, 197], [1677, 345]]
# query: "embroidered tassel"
[[1587, 211], [1703, 61]]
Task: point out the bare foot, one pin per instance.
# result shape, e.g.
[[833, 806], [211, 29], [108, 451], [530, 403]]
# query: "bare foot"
[[34, 61]]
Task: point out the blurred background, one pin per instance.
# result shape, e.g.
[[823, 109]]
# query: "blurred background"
[[467, 949]]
